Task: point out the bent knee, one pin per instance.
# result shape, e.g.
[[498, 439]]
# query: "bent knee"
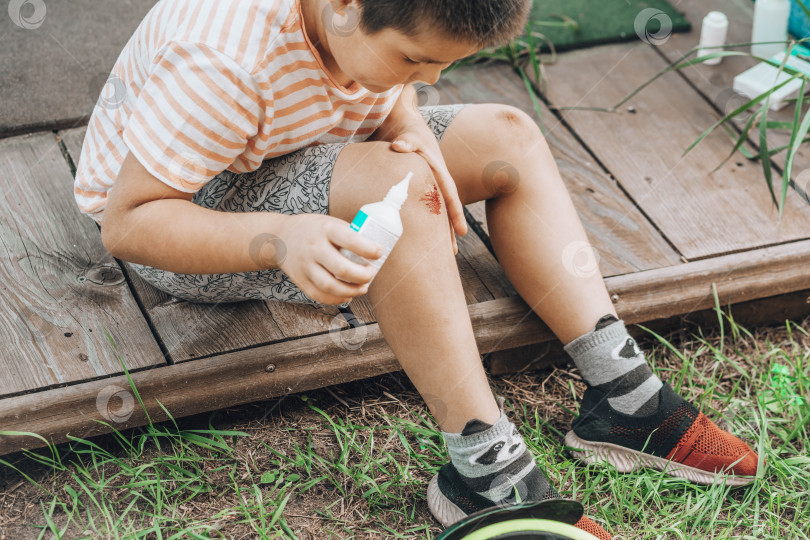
[[364, 172], [425, 197], [515, 125], [424, 193], [399, 164], [424, 211], [508, 128]]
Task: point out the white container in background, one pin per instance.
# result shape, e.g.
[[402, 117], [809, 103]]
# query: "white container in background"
[[381, 223], [713, 36], [770, 24], [763, 77]]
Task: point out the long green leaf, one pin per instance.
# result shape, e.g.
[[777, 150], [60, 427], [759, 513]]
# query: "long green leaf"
[[131, 382], [743, 136], [763, 149], [534, 98], [279, 510], [763, 144], [796, 140], [775, 150], [794, 135], [674, 66], [735, 112]]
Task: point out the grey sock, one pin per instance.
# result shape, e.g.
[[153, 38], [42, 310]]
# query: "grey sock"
[[493, 461], [611, 361]]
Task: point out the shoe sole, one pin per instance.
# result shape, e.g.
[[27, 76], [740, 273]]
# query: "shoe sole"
[[440, 506], [627, 460]]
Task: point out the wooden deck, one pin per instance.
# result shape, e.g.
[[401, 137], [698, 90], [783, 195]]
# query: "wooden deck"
[[668, 230]]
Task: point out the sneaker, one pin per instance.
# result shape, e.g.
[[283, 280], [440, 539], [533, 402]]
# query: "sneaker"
[[451, 500], [676, 439]]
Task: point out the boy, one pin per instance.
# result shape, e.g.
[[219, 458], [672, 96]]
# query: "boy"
[[246, 134]]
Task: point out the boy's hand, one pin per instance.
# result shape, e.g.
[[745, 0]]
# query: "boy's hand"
[[419, 138], [313, 260]]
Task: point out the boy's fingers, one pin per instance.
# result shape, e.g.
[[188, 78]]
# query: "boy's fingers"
[[347, 270], [346, 237], [402, 145], [453, 238], [405, 144], [327, 283], [455, 210], [447, 185]]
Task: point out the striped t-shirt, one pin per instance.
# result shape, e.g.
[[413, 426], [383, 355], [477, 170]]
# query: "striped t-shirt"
[[208, 85]]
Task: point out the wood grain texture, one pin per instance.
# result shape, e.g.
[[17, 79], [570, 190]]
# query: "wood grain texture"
[[703, 213], [623, 237], [716, 82], [738, 277], [315, 361], [239, 377], [61, 289], [192, 330], [73, 140]]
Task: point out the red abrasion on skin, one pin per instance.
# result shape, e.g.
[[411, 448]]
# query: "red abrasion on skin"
[[432, 200]]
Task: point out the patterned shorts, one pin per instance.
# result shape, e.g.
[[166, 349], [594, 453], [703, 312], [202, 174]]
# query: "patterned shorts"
[[295, 183]]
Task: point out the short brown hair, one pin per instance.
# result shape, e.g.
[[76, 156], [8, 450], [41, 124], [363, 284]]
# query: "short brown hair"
[[483, 22]]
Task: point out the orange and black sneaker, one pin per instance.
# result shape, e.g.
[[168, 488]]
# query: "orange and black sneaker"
[[450, 499], [676, 439]]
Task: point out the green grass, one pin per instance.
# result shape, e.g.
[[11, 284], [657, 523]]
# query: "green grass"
[[318, 470]]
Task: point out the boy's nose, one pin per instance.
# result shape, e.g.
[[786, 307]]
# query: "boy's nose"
[[430, 76]]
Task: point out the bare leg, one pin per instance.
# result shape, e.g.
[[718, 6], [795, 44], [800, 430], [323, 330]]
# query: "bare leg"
[[535, 231], [417, 295]]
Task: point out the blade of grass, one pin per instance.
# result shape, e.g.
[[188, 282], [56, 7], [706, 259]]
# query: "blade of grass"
[[741, 139], [735, 112], [131, 382], [763, 141], [534, 98], [797, 137]]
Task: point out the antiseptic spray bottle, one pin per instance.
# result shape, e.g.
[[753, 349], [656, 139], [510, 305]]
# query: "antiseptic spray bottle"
[[381, 223]]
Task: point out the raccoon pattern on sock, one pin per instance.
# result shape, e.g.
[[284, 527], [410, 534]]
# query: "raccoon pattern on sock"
[[494, 461], [611, 362]]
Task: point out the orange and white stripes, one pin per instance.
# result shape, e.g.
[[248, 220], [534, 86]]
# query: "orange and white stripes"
[[208, 85]]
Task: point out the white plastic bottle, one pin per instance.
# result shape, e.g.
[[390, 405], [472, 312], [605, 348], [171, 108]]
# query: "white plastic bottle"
[[770, 24], [713, 36], [381, 223]]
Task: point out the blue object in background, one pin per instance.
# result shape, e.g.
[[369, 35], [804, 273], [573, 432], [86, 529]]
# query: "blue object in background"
[[799, 23]]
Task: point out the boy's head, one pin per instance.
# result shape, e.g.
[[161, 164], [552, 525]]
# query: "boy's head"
[[382, 43]]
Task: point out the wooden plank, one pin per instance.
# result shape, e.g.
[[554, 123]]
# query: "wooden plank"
[[317, 361], [239, 377], [752, 314], [62, 290], [702, 213], [73, 140], [623, 237], [191, 331], [716, 82], [773, 310], [738, 277]]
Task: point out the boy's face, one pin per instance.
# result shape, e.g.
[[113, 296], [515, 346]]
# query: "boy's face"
[[387, 58]]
